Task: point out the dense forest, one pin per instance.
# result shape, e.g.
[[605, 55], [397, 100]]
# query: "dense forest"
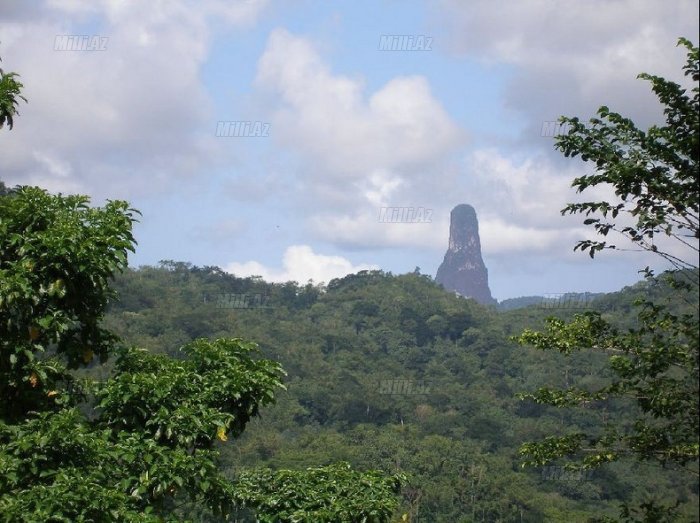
[[391, 371]]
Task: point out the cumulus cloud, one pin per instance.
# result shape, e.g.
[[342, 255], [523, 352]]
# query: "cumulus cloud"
[[365, 145], [365, 231], [518, 204], [124, 121], [572, 57], [300, 263], [357, 151]]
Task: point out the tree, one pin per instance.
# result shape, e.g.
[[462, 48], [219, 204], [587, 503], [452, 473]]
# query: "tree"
[[10, 90], [339, 494], [147, 445], [654, 173], [9, 94], [655, 364], [140, 445], [151, 445], [57, 256]]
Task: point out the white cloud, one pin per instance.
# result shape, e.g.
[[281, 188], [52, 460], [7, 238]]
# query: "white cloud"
[[572, 57], [530, 192], [345, 138], [499, 237], [124, 121], [519, 203], [300, 264], [357, 151], [518, 206], [54, 175], [365, 231]]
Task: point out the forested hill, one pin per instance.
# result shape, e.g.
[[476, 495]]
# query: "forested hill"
[[393, 372]]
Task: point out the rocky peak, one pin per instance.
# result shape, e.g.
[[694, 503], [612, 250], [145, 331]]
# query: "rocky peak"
[[463, 269]]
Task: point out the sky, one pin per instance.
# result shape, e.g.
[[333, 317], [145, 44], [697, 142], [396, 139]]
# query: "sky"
[[342, 124]]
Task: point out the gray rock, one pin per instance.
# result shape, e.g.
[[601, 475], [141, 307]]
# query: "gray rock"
[[463, 270]]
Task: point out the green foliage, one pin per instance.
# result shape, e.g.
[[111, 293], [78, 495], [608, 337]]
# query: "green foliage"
[[654, 362], [141, 444], [57, 256], [319, 495], [160, 435], [654, 173], [185, 403], [458, 440], [10, 90], [60, 467]]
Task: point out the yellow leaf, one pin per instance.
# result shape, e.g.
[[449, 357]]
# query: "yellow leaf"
[[221, 434], [87, 355], [33, 333], [34, 379], [51, 393]]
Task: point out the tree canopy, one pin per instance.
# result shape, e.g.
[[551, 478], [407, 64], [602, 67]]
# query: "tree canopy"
[[655, 363], [10, 95]]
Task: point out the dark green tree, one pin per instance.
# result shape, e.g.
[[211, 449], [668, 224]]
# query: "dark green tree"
[[654, 364], [57, 256], [10, 90], [139, 445], [147, 445], [10, 95]]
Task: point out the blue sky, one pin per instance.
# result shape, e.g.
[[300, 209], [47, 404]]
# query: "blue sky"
[[352, 128]]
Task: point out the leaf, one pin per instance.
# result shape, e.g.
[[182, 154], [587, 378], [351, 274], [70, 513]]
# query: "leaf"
[[33, 333]]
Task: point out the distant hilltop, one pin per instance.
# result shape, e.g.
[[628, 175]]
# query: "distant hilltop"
[[463, 270], [567, 300]]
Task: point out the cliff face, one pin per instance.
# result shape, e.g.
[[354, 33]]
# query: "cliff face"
[[463, 269]]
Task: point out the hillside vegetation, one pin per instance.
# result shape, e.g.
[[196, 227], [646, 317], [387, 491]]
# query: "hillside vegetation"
[[393, 372]]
